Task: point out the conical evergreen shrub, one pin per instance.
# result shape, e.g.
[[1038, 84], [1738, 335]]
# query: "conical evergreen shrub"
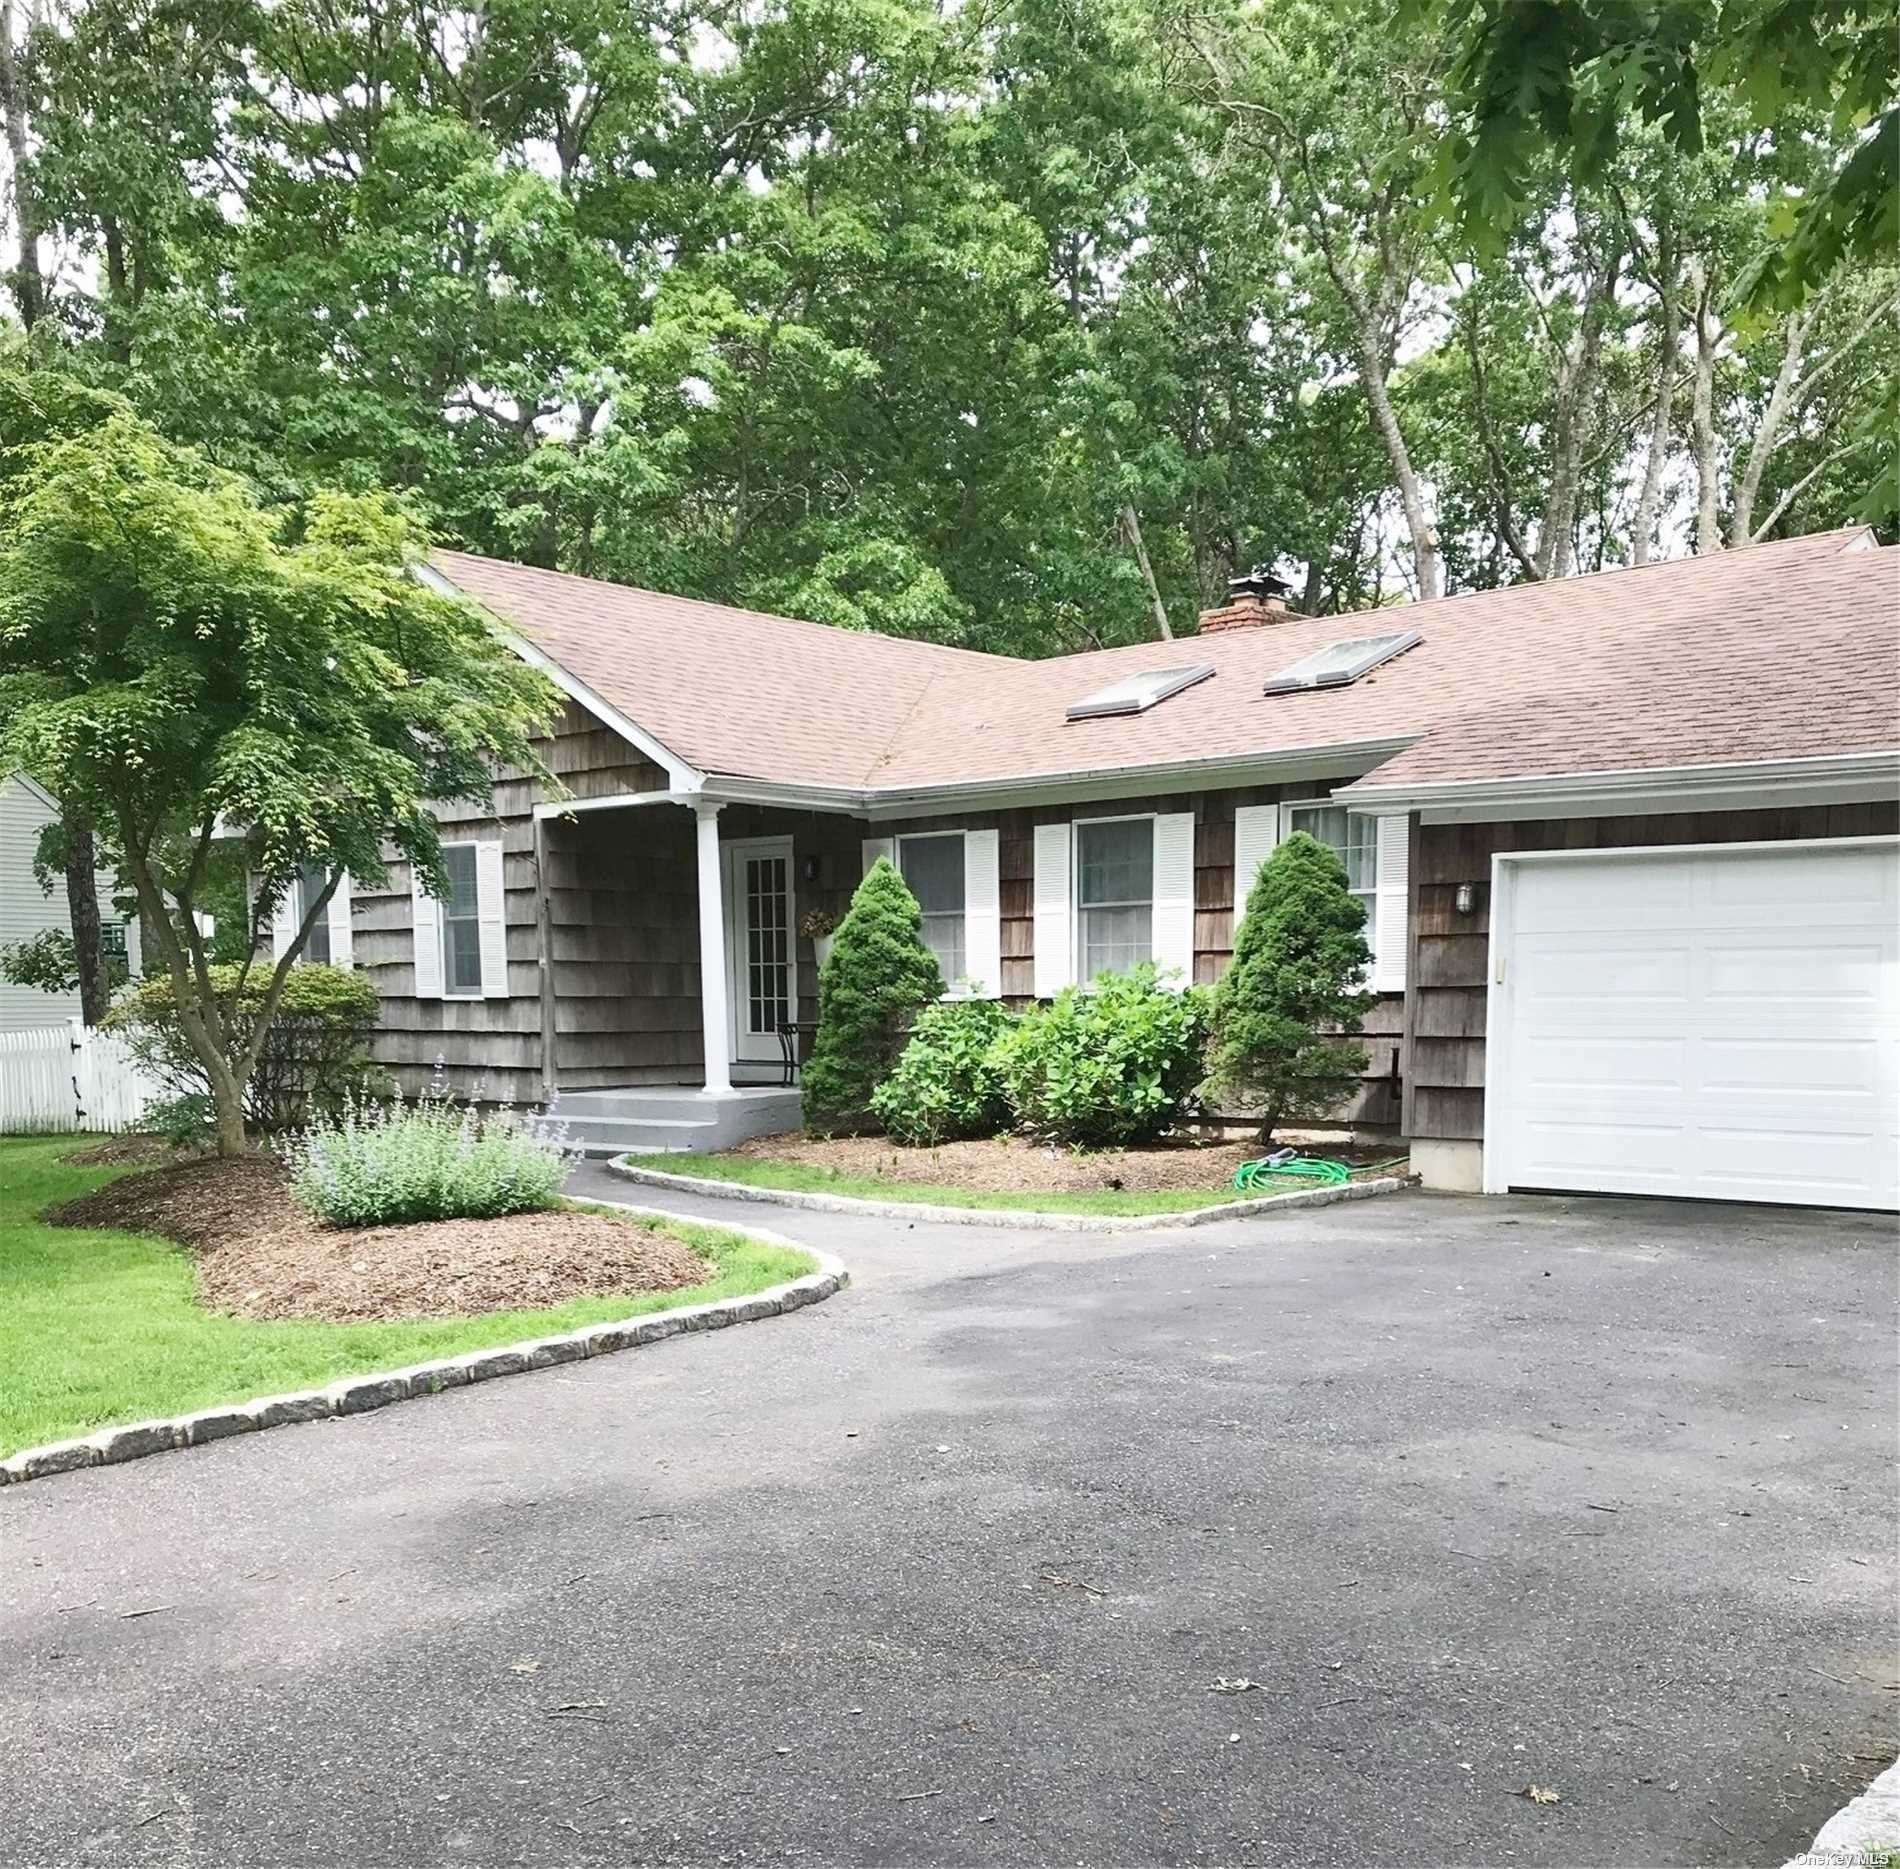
[[878, 977], [1294, 993]]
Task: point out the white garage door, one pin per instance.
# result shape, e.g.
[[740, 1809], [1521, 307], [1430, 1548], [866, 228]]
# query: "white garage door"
[[1716, 1023]]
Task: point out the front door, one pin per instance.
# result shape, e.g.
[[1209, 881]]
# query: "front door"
[[760, 951]]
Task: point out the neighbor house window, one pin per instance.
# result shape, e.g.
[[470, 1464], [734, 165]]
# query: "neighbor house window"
[[933, 867], [1354, 839], [1114, 893], [310, 881], [461, 922]]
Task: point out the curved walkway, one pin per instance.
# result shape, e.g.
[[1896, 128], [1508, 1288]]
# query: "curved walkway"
[[1476, 1495]]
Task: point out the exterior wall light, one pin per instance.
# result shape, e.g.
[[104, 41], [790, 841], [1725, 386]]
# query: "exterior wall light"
[[1466, 899]]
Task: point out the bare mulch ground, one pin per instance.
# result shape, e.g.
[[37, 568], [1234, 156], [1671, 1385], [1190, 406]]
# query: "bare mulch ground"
[[1005, 1164], [139, 1151], [259, 1255]]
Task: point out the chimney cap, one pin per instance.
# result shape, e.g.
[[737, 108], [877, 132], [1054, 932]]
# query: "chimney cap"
[[1259, 582]]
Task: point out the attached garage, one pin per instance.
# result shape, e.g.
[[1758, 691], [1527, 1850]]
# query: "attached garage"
[[1714, 1021]]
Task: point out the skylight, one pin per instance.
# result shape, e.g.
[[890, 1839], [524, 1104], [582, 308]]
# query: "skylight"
[[1137, 693], [1341, 662]]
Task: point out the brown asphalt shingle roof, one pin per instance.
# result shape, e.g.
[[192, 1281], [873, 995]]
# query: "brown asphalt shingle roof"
[[1777, 651]]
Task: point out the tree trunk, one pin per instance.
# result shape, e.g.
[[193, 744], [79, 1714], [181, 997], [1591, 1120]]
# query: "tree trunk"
[[1385, 421], [1131, 525], [1768, 435], [1649, 501], [1708, 334], [82, 905], [26, 282], [1556, 538]]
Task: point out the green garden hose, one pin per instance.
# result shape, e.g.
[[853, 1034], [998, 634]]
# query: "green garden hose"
[[1301, 1167]]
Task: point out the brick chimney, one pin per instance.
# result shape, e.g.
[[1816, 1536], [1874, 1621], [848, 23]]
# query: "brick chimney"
[[1258, 597]]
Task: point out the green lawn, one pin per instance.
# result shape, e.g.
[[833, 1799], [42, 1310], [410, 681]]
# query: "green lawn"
[[808, 1178], [102, 1327]]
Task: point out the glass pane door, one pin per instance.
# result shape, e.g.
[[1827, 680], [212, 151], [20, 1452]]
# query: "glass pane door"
[[760, 918], [768, 943]]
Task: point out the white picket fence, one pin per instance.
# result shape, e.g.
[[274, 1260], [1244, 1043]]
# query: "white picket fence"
[[59, 1078]]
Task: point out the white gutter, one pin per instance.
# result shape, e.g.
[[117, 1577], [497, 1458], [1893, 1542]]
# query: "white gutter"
[[1825, 778], [610, 801]]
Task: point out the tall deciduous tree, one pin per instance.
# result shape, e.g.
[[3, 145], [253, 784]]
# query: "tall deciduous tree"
[[185, 667]]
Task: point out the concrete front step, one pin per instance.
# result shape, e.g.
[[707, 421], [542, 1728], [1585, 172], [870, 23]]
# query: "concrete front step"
[[604, 1122], [660, 1106]]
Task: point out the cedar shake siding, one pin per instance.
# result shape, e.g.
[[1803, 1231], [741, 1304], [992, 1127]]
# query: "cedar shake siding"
[[1448, 979], [1377, 1105], [493, 1043], [622, 926], [623, 931]]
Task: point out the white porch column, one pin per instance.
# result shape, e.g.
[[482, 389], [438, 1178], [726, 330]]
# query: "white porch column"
[[713, 1012]]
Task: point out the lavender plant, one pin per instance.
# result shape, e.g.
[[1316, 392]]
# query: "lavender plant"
[[436, 1158]]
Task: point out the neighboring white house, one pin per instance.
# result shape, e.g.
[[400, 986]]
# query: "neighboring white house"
[[26, 909]]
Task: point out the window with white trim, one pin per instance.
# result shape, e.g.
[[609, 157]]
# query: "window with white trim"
[[1114, 893], [461, 923], [1354, 839], [310, 881], [932, 864]]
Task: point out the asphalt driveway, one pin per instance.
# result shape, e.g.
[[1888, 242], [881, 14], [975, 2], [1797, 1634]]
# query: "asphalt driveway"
[[1478, 1495]]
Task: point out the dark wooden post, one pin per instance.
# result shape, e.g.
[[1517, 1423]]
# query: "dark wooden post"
[[544, 924]]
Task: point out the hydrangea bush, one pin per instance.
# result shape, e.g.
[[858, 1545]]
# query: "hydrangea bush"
[[947, 1084], [1107, 1065], [385, 1164]]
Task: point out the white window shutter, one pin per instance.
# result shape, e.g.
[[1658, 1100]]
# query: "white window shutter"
[[426, 918], [1174, 897], [875, 847], [340, 933], [283, 925], [1256, 835], [983, 914], [1392, 892], [1055, 933], [492, 907]]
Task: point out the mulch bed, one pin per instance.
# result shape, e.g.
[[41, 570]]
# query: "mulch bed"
[[138, 1150], [1007, 1164], [259, 1255]]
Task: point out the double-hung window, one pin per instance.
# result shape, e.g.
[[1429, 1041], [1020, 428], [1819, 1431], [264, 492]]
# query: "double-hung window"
[[310, 881], [1114, 893], [461, 923], [1354, 839], [933, 867]]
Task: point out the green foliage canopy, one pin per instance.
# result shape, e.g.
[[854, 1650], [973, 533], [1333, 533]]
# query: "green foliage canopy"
[[189, 667]]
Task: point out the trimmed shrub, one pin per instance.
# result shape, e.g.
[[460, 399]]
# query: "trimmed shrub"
[[315, 1053], [1286, 1008], [386, 1164], [1106, 1065], [947, 1084], [878, 978]]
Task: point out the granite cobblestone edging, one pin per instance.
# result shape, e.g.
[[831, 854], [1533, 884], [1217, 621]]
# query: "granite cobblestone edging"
[[630, 1170], [357, 1395]]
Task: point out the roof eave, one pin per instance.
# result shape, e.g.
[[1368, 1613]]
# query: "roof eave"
[[1814, 779], [1336, 759]]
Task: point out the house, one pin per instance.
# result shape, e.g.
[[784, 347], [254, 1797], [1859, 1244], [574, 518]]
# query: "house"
[[26, 910], [1627, 844]]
